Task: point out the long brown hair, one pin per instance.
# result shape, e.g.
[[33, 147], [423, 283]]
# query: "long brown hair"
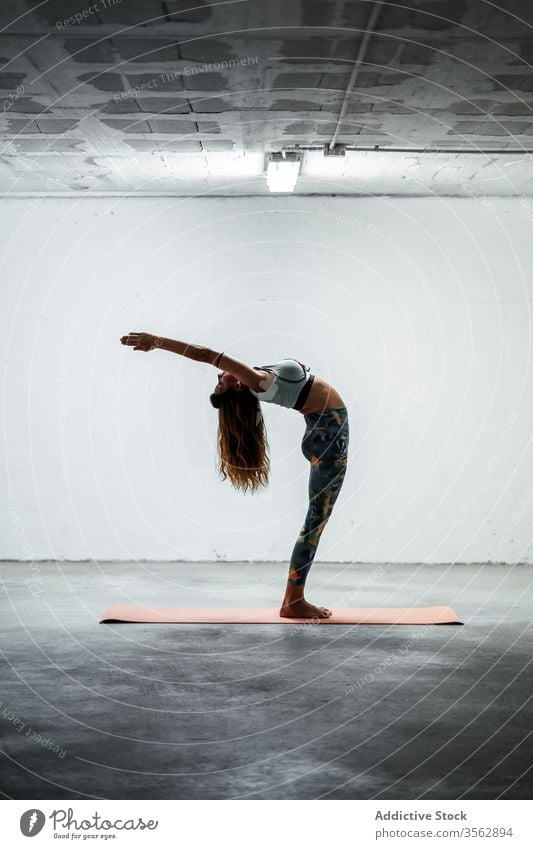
[[242, 441]]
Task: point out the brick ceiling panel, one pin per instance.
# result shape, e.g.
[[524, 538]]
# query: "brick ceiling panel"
[[198, 92]]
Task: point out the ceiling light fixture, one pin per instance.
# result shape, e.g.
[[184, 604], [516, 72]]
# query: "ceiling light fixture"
[[282, 171]]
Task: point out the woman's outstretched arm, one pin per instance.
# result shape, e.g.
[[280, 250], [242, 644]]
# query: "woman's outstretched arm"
[[254, 378], [147, 342]]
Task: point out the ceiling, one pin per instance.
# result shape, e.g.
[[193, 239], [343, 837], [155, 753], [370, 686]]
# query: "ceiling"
[[142, 97]]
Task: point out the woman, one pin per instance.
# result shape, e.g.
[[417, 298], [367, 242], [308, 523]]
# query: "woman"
[[243, 446]]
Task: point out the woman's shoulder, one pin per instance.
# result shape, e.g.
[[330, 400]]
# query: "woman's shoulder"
[[287, 369], [267, 375]]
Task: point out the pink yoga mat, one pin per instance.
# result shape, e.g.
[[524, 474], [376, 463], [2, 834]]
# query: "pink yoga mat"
[[270, 616]]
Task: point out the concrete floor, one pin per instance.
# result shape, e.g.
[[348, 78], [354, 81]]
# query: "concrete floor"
[[264, 712]]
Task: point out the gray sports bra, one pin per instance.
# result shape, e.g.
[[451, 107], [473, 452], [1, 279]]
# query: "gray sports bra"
[[291, 385]]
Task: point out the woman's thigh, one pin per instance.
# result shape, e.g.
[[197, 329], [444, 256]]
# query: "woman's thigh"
[[326, 445]]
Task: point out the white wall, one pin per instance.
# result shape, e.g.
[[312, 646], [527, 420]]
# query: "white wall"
[[417, 310]]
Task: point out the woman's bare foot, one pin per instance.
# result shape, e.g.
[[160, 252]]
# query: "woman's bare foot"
[[296, 607]]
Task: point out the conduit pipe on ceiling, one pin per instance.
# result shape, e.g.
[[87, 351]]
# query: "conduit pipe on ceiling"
[[358, 62]]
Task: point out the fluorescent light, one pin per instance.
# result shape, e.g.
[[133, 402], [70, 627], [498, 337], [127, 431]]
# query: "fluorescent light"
[[282, 173]]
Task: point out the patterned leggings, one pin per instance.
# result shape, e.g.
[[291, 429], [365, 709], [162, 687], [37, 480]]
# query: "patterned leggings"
[[325, 445]]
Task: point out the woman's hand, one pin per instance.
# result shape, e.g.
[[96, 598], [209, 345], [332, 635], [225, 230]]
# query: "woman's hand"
[[141, 341]]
